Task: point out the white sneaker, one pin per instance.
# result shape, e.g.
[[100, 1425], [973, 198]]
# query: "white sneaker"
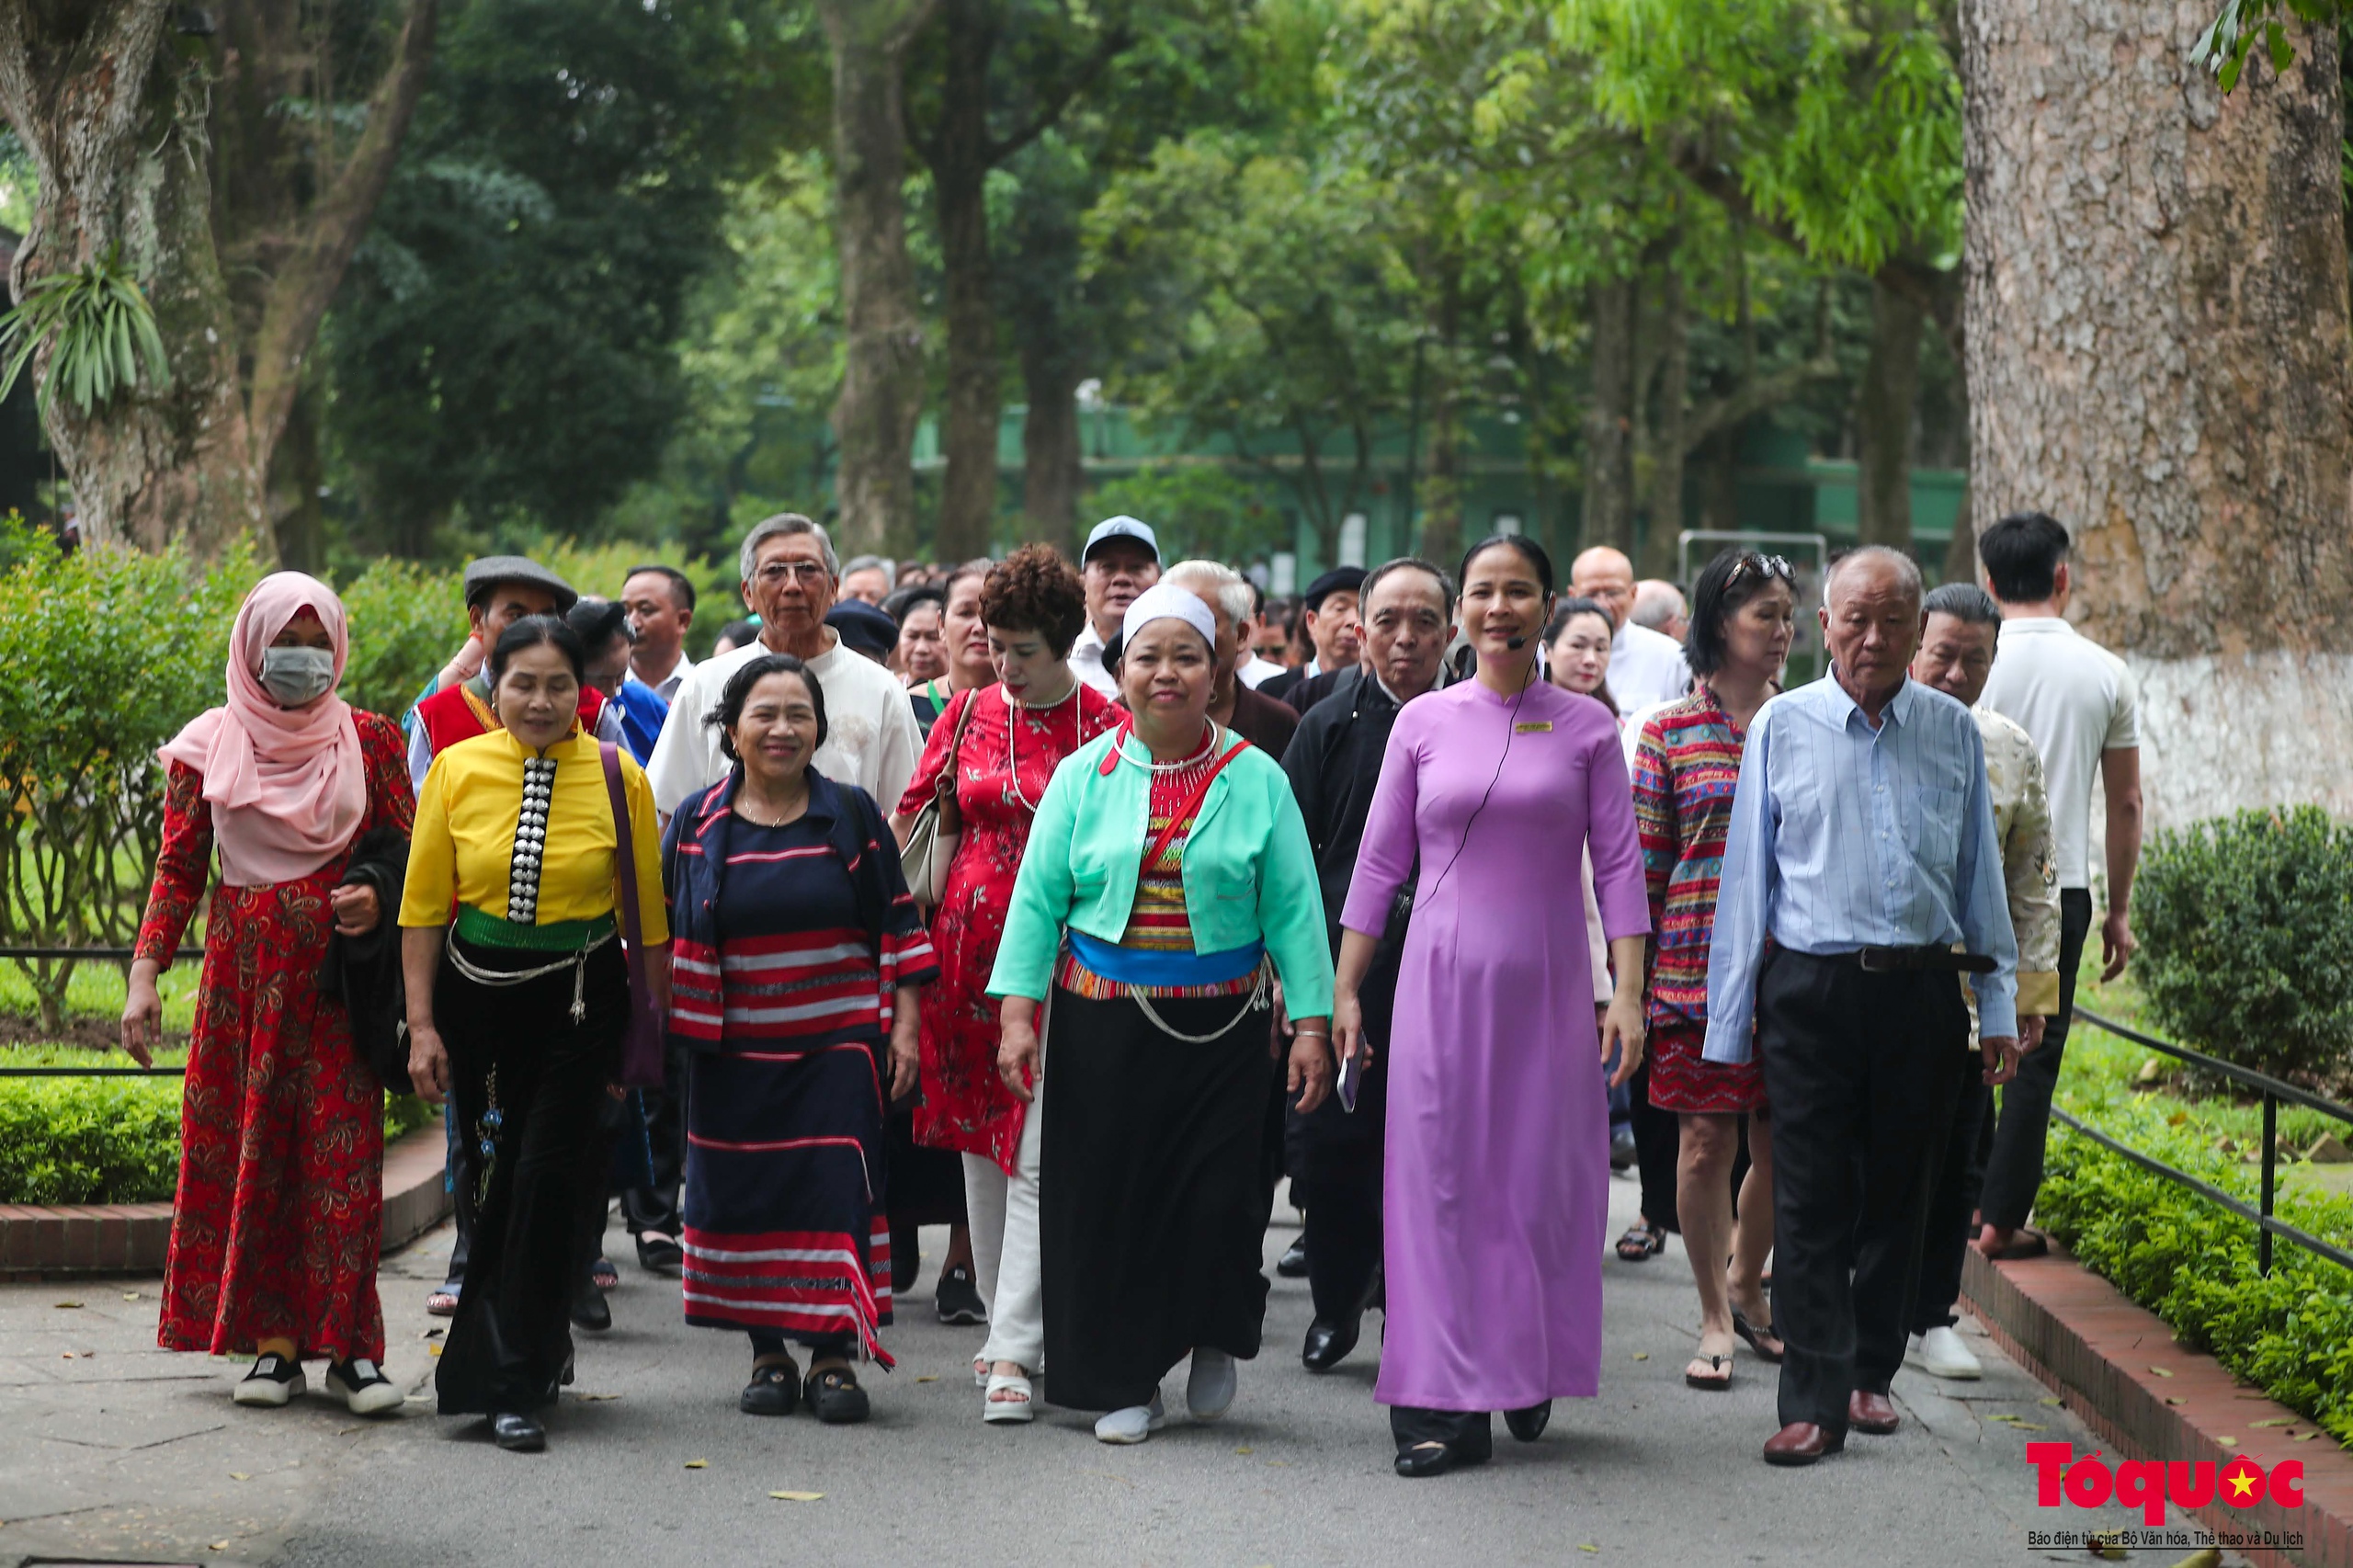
[[361, 1385], [1208, 1393], [273, 1382], [1133, 1425], [1941, 1353]]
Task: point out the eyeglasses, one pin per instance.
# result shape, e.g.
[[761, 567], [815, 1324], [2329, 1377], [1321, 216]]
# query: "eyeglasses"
[[1762, 566], [776, 572]]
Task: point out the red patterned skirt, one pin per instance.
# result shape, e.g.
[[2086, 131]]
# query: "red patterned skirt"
[[279, 1212], [1681, 1080]]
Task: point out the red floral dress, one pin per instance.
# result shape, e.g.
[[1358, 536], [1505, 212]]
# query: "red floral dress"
[[1002, 770], [279, 1212]]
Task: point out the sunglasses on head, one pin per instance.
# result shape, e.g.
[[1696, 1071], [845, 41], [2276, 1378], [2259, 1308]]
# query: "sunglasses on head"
[[1762, 566]]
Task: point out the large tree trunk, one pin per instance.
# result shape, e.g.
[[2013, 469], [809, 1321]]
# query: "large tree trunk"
[[114, 109], [1884, 402], [1052, 474], [1668, 443], [881, 395], [1608, 512], [959, 156], [2158, 356]]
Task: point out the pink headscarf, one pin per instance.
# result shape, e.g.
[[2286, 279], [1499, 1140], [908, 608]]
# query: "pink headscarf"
[[288, 787]]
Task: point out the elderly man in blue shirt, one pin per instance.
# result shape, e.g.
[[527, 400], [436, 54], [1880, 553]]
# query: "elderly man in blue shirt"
[[1864, 849]]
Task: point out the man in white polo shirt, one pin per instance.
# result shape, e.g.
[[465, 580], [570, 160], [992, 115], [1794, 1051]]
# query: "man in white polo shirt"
[[789, 578], [1646, 667], [2079, 703], [1121, 560]]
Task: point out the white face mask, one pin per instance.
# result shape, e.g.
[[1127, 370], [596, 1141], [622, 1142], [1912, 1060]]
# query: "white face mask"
[[297, 676]]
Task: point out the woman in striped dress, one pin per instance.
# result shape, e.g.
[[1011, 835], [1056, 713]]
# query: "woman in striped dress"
[[1685, 766], [795, 974]]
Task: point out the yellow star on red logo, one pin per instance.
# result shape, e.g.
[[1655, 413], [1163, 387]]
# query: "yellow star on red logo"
[[2242, 1484]]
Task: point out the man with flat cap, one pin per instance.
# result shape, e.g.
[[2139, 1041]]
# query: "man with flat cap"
[[500, 591], [1328, 610], [1121, 560]]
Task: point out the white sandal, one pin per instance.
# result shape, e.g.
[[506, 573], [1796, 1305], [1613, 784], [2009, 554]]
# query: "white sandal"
[[996, 1409], [981, 1365]]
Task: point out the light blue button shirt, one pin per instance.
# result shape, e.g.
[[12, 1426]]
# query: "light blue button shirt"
[[1844, 836]]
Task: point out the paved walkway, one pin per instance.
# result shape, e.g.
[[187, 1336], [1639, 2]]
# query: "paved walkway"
[[112, 1449]]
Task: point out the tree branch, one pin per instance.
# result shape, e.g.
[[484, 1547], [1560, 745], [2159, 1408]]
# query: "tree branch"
[[1753, 397], [313, 268], [1114, 43]]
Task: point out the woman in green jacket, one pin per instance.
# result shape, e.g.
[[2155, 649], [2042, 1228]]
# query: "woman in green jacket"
[[1168, 870]]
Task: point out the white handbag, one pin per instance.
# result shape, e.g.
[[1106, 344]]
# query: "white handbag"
[[937, 828]]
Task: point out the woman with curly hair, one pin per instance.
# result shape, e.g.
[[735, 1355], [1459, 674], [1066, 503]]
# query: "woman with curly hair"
[[1001, 743]]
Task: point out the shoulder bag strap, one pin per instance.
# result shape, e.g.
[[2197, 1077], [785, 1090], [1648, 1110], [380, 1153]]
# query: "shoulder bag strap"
[[1185, 813], [624, 853], [945, 785]]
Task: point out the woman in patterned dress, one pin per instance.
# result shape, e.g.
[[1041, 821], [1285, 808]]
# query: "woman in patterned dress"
[[279, 1216], [1685, 766], [1036, 713]]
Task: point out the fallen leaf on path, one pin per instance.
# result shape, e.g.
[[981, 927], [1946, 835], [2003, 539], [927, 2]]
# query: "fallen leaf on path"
[[2276, 1421], [239, 1476], [2303, 1437], [130, 1295], [597, 1398], [433, 1350], [2228, 1442], [1642, 1354], [217, 1545], [67, 1306], [926, 1380], [1279, 1464], [2055, 1401], [2029, 1427], [2207, 1557], [697, 1464], [1588, 1546], [1241, 1450], [2162, 1372], [797, 1497]]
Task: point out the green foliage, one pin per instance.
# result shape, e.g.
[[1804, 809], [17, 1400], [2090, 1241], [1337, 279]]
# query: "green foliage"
[[2194, 1264], [108, 1140], [108, 653], [1197, 509], [2223, 47], [2246, 939], [98, 328], [504, 354], [406, 622]]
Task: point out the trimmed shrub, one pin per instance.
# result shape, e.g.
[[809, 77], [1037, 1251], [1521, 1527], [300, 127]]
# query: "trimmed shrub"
[[2246, 933], [2289, 1332]]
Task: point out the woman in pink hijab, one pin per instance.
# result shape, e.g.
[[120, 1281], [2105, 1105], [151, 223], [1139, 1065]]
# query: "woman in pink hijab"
[[279, 1216]]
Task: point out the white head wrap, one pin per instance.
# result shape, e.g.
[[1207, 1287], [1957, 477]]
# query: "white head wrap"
[[1166, 599]]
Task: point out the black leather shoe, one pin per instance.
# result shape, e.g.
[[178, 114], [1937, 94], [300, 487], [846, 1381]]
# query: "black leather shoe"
[[518, 1434], [1292, 1265], [1529, 1425], [1423, 1460], [589, 1310], [658, 1253], [1328, 1343]]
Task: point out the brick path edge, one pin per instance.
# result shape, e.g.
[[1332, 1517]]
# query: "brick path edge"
[[2098, 1352], [94, 1239]]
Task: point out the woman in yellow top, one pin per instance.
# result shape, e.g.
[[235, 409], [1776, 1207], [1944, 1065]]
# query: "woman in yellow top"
[[516, 1008]]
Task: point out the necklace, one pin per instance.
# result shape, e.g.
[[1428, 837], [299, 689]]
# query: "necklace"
[[790, 816], [1209, 744], [1013, 756]]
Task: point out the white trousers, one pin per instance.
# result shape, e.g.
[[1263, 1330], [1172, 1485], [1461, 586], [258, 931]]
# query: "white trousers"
[[1002, 1212]]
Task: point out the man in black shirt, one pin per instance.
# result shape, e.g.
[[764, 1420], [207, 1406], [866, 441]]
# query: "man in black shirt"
[[1334, 1156]]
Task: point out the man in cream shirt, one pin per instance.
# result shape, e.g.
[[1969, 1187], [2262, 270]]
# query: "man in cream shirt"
[[1646, 667], [789, 578]]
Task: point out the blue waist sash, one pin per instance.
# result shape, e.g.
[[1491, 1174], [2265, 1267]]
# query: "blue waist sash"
[[1132, 966]]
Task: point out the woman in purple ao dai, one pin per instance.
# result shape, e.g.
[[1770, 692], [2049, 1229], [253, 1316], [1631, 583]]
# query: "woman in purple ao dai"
[[1495, 1196]]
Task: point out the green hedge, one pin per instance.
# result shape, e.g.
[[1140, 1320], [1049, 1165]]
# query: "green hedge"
[[2246, 941], [107, 1139], [2193, 1264]]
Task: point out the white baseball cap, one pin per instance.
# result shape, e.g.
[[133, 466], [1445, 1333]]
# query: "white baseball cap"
[[1121, 527]]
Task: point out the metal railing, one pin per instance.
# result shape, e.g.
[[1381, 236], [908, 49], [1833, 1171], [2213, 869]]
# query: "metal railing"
[[99, 955], [2274, 1091]]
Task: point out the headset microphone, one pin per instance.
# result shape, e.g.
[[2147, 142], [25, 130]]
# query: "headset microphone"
[[1515, 643]]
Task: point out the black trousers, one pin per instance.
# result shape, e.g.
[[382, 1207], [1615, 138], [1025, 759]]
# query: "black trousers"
[[1342, 1233], [2014, 1170], [1960, 1175], [1658, 1147], [1859, 1070], [516, 1051], [655, 1208]]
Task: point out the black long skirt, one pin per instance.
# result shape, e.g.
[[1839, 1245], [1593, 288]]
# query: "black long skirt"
[[531, 1083], [1150, 1197]]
